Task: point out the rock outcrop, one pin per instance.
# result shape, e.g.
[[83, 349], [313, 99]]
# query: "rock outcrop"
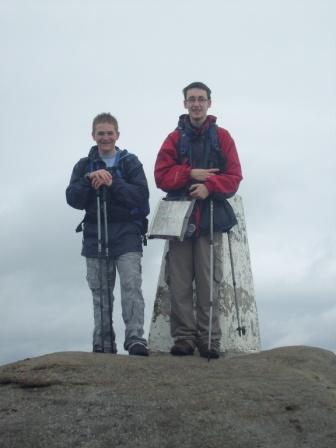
[[284, 397]]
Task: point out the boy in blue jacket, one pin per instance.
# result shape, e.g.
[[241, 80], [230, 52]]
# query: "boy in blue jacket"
[[109, 185]]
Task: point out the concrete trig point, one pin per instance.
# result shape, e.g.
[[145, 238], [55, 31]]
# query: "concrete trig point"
[[159, 334]]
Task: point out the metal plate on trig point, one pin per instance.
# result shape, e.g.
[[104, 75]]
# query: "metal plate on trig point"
[[170, 220]]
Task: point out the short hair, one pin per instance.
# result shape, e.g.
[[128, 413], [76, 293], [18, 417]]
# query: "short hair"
[[197, 85], [105, 117]]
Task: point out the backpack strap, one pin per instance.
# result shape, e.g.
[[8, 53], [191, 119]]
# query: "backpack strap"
[[214, 137], [138, 213], [184, 144]]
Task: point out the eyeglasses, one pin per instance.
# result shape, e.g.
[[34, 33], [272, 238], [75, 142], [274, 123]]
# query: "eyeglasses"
[[193, 100]]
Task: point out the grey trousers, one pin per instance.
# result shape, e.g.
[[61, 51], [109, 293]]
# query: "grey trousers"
[[187, 262], [132, 302]]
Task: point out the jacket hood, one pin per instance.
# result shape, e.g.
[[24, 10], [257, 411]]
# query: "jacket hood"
[[94, 154], [184, 123]]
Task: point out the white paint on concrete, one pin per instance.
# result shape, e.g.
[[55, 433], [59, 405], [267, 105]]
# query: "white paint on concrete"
[[159, 335]]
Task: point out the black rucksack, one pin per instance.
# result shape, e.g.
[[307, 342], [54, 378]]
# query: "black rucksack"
[[216, 157]]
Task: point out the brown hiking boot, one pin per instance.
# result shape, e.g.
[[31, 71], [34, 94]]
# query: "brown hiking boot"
[[182, 347]]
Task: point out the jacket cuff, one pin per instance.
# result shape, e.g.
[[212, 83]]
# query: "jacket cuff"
[[209, 186]]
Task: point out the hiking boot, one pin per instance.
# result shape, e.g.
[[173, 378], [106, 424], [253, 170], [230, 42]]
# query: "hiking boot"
[[138, 349], [204, 351], [182, 347]]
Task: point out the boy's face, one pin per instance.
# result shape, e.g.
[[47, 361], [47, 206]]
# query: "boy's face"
[[197, 103], [105, 135]]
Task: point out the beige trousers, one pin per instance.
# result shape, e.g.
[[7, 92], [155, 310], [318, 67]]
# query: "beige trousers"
[[188, 269]]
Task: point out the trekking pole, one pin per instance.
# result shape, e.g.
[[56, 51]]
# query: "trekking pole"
[[100, 273], [107, 260], [211, 278], [241, 329]]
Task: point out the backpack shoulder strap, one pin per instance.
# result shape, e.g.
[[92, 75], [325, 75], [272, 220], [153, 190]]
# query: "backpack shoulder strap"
[[184, 146], [213, 133], [119, 167]]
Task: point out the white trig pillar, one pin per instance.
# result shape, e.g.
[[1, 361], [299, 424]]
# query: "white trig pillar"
[[234, 301]]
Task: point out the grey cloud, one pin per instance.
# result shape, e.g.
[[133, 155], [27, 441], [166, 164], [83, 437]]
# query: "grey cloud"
[[272, 71]]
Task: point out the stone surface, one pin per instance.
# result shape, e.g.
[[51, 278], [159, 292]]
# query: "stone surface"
[[282, 398], [244, 300]]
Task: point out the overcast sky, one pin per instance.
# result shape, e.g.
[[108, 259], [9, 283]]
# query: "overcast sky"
[[272, 68]]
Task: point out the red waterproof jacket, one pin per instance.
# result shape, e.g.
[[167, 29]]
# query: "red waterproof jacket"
[[173, 175]]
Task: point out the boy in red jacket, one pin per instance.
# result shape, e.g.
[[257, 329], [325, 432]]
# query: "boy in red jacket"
[[198, 160]]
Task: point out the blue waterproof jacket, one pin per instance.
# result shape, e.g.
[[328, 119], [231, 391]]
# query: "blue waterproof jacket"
[[123, 197]]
